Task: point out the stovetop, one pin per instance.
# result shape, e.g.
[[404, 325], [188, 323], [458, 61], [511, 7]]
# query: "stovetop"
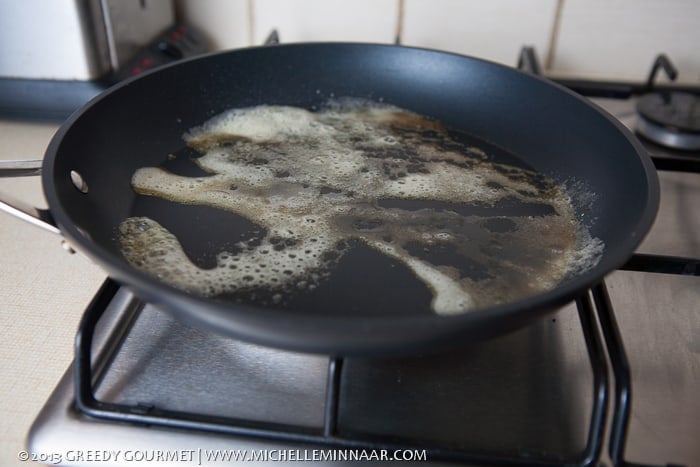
[[554, 392], [527, 395]]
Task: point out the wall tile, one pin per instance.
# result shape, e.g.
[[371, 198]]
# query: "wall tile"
[[597, 39], [326, 20], [618, 40], [494, 30], [225, 22]]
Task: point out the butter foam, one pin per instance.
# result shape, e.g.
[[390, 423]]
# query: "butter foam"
[[475, 231]]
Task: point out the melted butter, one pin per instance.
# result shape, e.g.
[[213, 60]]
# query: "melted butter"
[[475, 231]]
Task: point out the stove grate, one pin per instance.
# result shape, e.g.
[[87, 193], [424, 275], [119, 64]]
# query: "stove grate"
[[328, 436]]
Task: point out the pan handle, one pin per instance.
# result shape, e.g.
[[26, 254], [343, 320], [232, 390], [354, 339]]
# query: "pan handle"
[[39, 217]]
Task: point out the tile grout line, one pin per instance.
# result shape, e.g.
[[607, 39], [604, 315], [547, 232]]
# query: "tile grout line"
[[399, 22], [251, 22], [554, 35]]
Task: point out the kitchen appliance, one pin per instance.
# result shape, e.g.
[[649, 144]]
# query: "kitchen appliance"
[[541, 395], [55, 56]]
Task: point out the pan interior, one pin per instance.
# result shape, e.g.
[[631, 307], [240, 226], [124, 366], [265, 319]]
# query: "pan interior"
[[304, 212]]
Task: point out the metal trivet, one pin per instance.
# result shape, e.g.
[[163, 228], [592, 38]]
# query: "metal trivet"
[[328, 436]]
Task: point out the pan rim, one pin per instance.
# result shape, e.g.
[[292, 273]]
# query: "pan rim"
[[280, 328]]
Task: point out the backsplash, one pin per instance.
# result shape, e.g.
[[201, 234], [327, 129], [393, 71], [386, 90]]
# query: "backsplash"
[[594, 39]]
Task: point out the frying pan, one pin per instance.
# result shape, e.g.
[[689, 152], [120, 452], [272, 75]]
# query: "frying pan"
[[368, 308]]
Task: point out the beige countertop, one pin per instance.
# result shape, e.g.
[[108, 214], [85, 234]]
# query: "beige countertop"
[[43, 292]]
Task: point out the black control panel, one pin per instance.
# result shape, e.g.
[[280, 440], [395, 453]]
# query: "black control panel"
[[178, 42]]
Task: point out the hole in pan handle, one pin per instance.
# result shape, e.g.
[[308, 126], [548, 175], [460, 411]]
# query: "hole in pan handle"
[[38, 217]]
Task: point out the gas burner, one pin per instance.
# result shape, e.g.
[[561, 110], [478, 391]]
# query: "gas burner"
[[670, 119]]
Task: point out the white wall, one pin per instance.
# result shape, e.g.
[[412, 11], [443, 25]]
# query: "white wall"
[[596, 39]]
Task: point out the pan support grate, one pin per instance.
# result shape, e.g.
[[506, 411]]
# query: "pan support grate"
[[599, 330]]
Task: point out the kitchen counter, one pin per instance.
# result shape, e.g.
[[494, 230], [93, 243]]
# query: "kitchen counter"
[[43, 292]]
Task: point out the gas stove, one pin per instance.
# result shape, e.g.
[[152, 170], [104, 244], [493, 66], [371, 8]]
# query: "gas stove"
[[611, 378]]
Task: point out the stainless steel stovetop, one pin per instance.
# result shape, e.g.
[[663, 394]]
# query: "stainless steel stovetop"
[[530, 395]]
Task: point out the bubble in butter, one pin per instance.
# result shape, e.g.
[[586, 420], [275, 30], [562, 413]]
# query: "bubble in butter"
[[476, 231]]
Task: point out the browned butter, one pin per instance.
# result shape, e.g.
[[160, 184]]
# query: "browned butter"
[[476, 231]]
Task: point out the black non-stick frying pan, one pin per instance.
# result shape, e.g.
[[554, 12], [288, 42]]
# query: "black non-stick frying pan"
[[369, 307]]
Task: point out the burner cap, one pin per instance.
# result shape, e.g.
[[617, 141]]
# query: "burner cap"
[[671, 119]]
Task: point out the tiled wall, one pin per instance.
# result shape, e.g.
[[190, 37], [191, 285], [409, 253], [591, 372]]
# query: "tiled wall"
[[596, 39]]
